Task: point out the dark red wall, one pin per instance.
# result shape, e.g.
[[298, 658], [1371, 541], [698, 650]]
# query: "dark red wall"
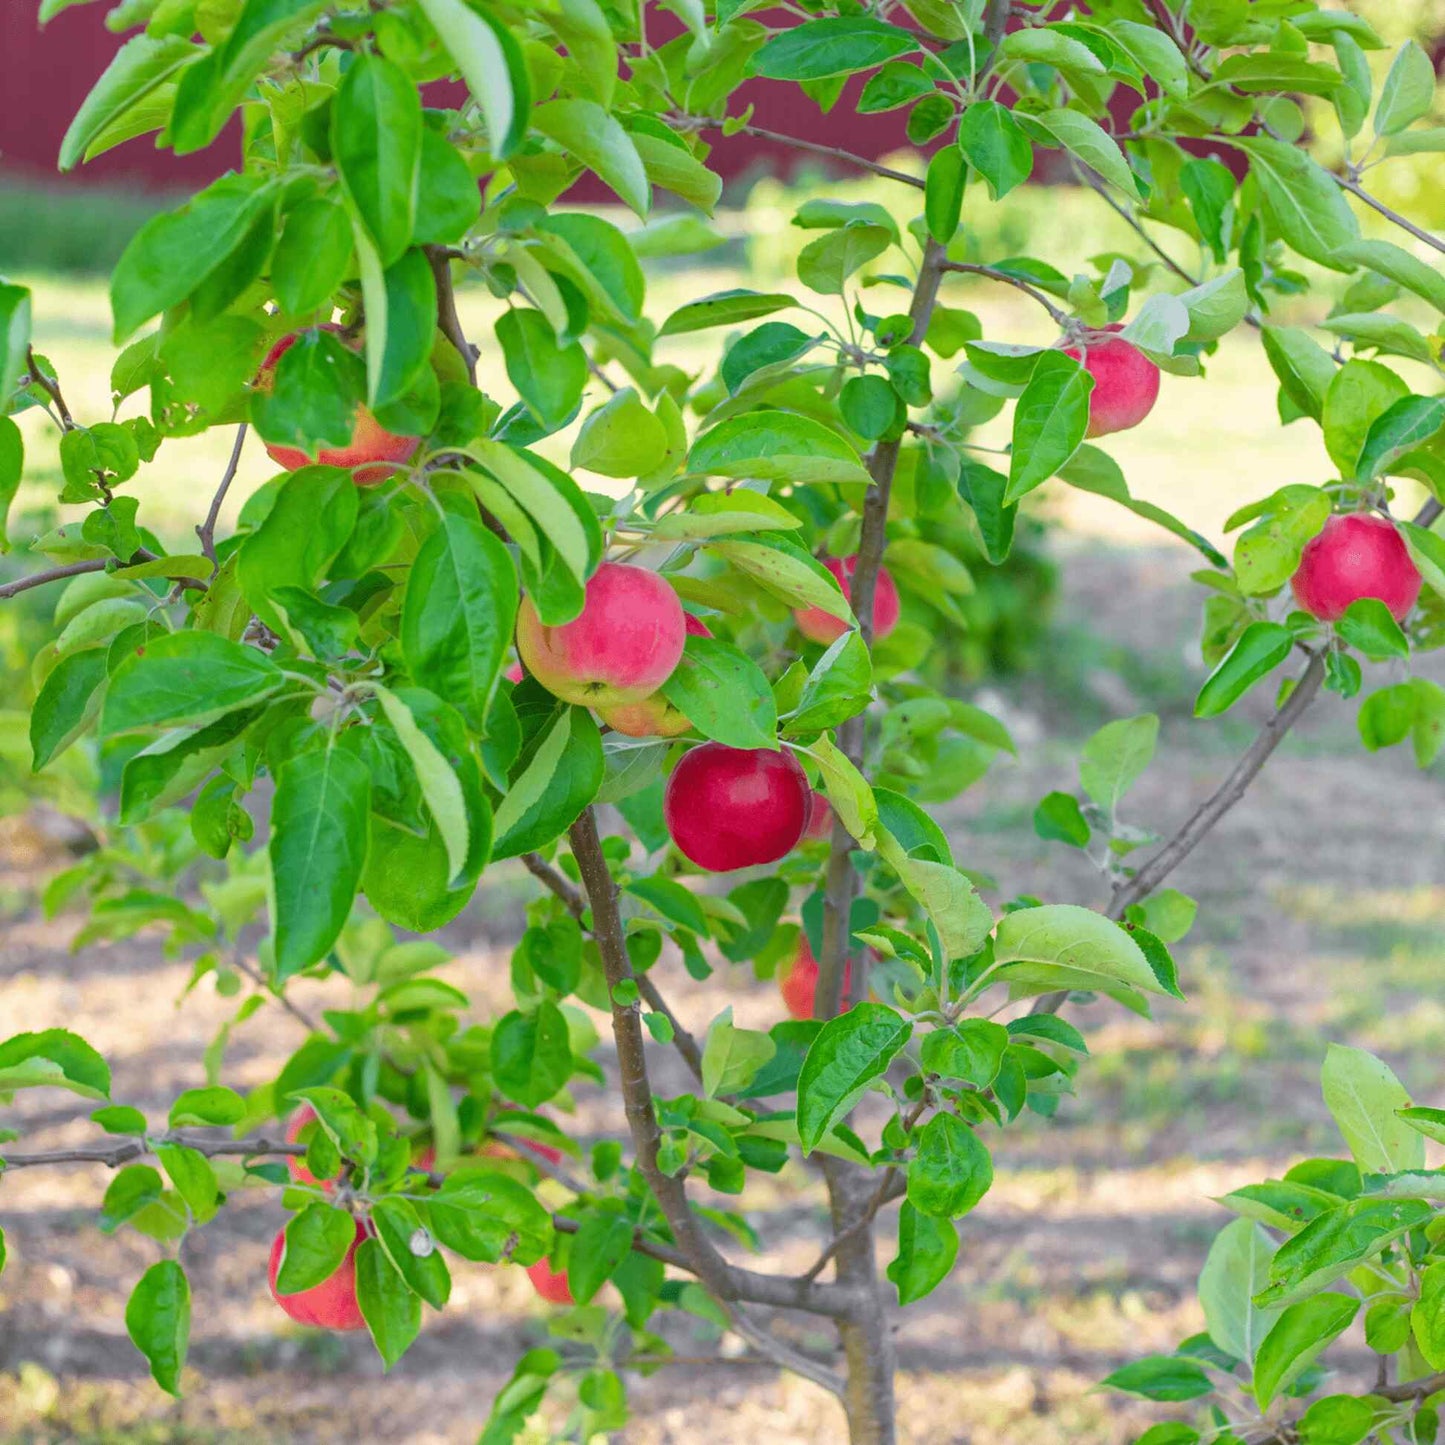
[[45, 74]]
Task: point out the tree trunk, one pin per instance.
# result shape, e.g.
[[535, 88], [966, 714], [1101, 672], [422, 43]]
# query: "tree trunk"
[[867, 1336]]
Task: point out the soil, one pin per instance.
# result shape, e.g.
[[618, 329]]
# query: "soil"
[[1321, 910]]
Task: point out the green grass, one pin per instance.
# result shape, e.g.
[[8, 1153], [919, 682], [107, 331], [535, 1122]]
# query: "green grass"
[[68, 231]]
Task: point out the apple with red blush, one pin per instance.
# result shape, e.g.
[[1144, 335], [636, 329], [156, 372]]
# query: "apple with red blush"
[[1356, 555], [330, 1305], [653, 717], [819, 626], [620, 649], [729, 808], [372, 455], [1126, 382]]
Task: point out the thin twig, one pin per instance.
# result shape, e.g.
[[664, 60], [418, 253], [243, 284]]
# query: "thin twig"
[[244, 965], [833, 152], [55, 574], [1132, 221], [50, 388], [994, 274], [576, 905], [207, 529], [1351, 185]]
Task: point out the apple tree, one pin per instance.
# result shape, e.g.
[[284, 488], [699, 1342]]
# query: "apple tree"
[[659, 635]]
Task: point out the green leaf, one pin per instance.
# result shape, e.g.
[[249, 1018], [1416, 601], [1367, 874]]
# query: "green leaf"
[[963, 920], [317, 851], [602, 1242], [458, 614], [1047, 46], [66, 704], [491, 63], [725, 308], [1363, 1096], [312, 256], [1399, 429], [558, 776], [317, 1241], [1305, 207], [1058, 818], [996, 146], [1237, 1269], [597, 139], [776, 446], [774, 344], [1167, 1378], [731, 1056], [1300, 1334], [1260, 649], [1303, 366], [14, 338], [1274, 70], [531, 1054], [724, 694], [1216, 307], [825, 264], [1061, 945], [548, 375], [1399, 266], [172, 254], [1155, 54], [1050, 422], [1360, 393], [927, 1249], [391, 1311], [847, 791], [158, 1320], [835, 45], [848, 1054], [1408, 91], [55, 1058], [398, 355], [1336, 1242], [839, 686], [1115, 756], [943, 189], [951, 1171], [190, 1171], [12, 469], [211, 1107], [1088, 141], [139, 67], [186, 678], [1368, 625], [621, 438], [412, 1250], [489, 1217], [376, 128]]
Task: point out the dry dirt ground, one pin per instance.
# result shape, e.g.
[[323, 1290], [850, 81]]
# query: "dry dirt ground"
[[1323, 901]]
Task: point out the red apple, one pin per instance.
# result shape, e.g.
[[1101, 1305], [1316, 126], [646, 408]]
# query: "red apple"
[[514, 673], [820, 626], [1126, 382], [653, 717], [496, 1149], [1356, 555], [820, 818], [549, 1283], [798, 981], [330, 1305], [296, 1163], [736, 807], [373, 452], [621, 649]]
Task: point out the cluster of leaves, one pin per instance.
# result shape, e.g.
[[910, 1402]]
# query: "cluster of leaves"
[[324, 688], [1332, 1242]]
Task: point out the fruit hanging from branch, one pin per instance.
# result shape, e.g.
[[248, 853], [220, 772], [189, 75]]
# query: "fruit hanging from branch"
[[330, 1305], [1126, 382], [620, 649], [655, 716], [1356, 555], [731, 808], [819, 626]]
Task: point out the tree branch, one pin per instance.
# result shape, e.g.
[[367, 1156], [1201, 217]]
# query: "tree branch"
[[448, 318], [123, 1151], [727, 1281], [967, 267], [55, 574], [207, 529]]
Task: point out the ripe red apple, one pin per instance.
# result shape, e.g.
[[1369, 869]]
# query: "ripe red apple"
[[296, 1163], [1356, 555], [819, 626], [514, 673], [1126, 382], [373, 452], [798, 981], [820, 818], [330, 1305], [653, 717], [622, 647], [736, 807], [549, 1283]]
